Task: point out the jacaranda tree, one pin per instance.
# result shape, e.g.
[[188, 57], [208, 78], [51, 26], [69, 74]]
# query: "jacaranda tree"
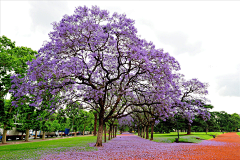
[[192, 101], [97, 59]]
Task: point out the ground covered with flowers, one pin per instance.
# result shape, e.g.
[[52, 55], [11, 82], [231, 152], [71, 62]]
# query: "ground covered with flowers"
[[129, 146]]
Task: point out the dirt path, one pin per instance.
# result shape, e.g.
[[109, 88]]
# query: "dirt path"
[[35, 140], [230, 150], [129, 146]]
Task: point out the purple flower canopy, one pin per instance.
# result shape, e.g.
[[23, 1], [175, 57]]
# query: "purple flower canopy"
[[100, 61]]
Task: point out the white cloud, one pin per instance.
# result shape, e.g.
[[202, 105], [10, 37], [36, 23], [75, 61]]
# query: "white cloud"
[[179, 41], [229, 84], [43, 13]]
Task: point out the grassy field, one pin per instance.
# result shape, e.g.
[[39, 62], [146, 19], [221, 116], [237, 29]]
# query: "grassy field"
[[37, 149], [238, 133], [170, 137]]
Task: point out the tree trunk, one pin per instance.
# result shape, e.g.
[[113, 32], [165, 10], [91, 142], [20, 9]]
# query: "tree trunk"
[[100, 129], [4, 138], [105, 134], [144, 129], [147, 134], [61, 134], [206, 130], [75, 134], [111, 131], [22, 136], [109, 134], [27, 130], [95, 124], [35, 136], [43, 136], [138, 131], [27, 135], [84, 129], [142, 132], [152, 127], [72, 124], [189, 129], [116, 131]]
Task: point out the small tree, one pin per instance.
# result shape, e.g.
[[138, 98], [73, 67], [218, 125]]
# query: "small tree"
[[27, 118], [7, 115], [85, 120], [192, 101], [62, 120], [55, 125], [36, 122]]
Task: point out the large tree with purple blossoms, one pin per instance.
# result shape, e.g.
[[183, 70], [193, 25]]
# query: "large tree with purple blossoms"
[[125, 121], [192, 101], [100, 61]]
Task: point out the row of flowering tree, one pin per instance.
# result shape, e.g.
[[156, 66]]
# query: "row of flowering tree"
[[188, 105], [98, 60]]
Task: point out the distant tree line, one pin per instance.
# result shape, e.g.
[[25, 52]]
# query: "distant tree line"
[[219, 122]]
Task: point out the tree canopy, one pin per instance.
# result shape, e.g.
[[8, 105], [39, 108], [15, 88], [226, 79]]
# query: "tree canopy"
[[98, 60]]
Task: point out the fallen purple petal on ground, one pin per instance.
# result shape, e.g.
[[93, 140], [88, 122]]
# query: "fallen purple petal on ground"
[[127, 146]]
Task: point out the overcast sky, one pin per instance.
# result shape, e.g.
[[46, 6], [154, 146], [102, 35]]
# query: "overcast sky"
[[204, 37]]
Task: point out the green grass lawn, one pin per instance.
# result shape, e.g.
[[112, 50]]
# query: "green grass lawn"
[[35, 150], [170, 137], [238, 133]]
